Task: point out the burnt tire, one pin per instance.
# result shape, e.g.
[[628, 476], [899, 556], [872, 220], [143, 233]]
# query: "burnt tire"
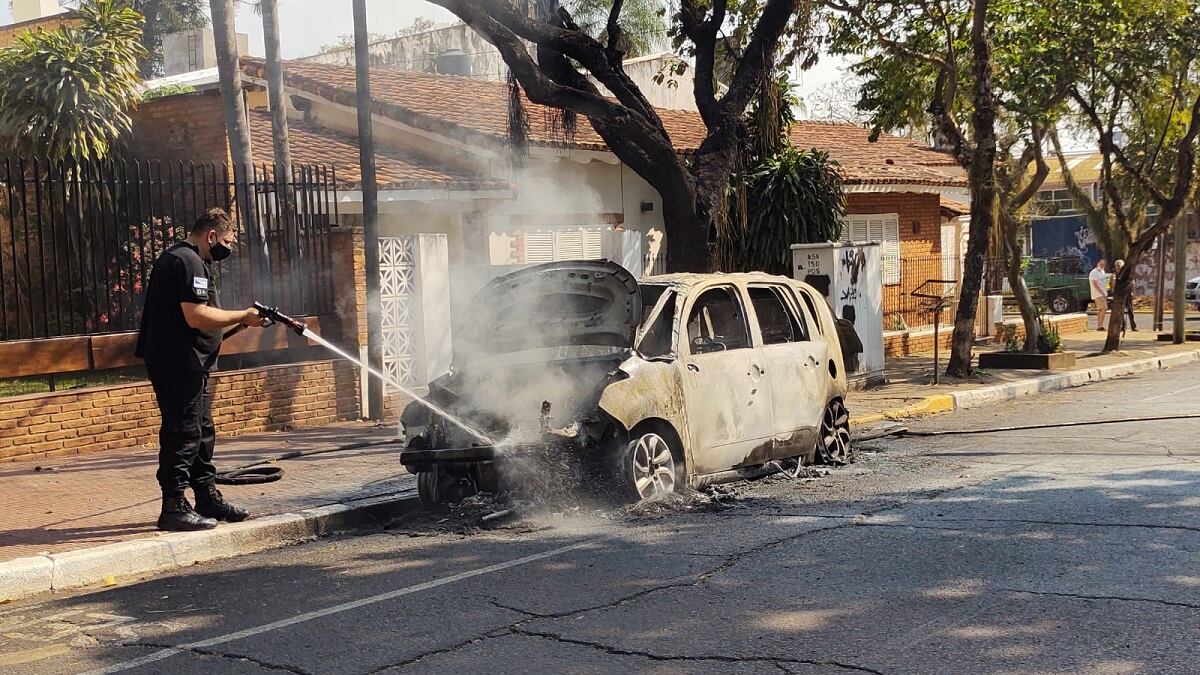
[[647, 466], [438, 487], [833, 443], [1061, 302]]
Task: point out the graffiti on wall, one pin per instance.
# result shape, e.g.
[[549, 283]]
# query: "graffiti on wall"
[[1065, 237]]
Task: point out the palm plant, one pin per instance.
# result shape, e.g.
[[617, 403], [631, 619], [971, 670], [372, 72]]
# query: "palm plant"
[[65, 93]]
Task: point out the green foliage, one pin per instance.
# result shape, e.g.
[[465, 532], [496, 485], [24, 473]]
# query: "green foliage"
[[168, 90], [1012, 343], [643, 23], [65, 93], [163, 17], [794, 197], [1050, 341]]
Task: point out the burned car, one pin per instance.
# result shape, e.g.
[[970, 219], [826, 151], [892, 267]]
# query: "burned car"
[[647, 386]]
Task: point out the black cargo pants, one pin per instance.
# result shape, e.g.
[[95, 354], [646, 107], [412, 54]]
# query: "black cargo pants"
[[187, 437]]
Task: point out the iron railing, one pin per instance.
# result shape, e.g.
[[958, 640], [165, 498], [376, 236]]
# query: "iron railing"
[[78, 241]]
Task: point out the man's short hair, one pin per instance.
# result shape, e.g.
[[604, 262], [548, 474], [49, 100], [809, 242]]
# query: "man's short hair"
[[213, 219]]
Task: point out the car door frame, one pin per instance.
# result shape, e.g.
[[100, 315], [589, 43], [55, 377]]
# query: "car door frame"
[[797, 375], [754, 443]]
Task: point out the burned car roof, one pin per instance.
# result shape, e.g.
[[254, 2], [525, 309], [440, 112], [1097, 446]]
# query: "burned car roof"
[[559, 304]]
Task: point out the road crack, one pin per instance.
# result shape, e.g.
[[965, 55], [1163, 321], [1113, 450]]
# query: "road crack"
[[1117, 598], [283, 668], [720, 658]]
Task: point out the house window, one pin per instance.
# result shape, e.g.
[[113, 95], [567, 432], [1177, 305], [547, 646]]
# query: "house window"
[[878, 227], [1058, 202], [582, 243]]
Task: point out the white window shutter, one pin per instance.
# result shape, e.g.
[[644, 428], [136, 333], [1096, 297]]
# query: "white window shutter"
[[568, 245], [883, 228], [539, 247], [593, 244], [891, 250]]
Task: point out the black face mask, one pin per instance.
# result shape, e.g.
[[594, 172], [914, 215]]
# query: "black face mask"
[[218, 252]]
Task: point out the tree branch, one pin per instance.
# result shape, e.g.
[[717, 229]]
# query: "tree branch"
[[703, 34], [759, 53], [1041, 171], [567, 38], [856, 11]]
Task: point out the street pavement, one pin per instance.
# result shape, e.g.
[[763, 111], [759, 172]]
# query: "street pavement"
[[1053, 550]]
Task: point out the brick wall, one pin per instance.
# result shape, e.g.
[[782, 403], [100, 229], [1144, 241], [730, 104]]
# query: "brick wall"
[[9, 33], [124, 416], [186, 127], [1068, 324], [909, 343], [921, 208]]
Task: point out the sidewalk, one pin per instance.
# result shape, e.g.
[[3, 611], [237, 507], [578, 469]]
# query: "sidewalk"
[[57, 505], [909, 379]]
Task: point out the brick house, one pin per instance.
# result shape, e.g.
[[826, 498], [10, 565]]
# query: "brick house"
[[444, 167]]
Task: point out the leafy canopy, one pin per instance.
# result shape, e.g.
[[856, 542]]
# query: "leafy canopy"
[[65, 93]]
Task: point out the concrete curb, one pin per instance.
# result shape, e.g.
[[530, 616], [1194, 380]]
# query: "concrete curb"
[[24, 577], [975, 398]]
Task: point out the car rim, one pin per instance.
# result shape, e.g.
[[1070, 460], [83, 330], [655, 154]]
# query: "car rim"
[[1060, 304], [653, 467], [835, 433]]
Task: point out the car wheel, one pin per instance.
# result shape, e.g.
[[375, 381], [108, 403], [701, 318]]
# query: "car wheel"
[[649, 467], [1060, 303], [438, 487], [833, 445]]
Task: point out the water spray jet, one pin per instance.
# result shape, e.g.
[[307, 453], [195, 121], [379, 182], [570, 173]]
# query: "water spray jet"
[[274, 316]]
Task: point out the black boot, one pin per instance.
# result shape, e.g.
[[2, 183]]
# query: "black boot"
[[210, 503], [177, 516]]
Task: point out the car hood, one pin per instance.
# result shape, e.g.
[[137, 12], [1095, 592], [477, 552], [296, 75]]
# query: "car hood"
[[592, 302]]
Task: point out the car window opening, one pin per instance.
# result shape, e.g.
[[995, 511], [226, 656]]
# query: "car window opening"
[[717, 323], [658, 338], [776, 317]]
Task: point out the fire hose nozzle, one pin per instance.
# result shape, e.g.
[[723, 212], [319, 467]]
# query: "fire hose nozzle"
[[273, 315]]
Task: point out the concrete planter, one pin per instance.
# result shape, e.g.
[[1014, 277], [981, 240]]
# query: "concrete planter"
[[1017, 361]]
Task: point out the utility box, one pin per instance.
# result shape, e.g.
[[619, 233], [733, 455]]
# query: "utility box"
[[851, 278]]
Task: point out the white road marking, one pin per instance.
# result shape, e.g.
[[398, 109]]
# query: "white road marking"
[[1173, 394], [336, 609]]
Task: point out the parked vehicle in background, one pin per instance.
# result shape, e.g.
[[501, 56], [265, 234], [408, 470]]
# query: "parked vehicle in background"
[[1060, 283], [1192, 291], [679, 379]]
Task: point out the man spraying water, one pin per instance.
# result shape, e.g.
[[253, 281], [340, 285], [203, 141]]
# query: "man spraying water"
[[180, 338]]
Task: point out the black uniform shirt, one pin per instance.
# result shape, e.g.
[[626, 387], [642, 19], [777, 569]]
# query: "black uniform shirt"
[[166, 341]]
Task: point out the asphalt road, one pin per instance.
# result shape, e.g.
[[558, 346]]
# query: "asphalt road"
[[1059, 550]]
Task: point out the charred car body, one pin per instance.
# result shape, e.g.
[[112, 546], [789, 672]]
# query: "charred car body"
[[679, 379]]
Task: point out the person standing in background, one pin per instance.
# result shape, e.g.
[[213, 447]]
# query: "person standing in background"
[[1098, 280], [1117, 267]]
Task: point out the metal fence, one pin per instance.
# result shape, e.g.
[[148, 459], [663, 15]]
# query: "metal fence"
[[903, 310], [77, 242]]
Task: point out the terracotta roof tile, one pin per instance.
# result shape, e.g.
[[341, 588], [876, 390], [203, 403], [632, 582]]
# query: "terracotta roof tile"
[[953, 207], [470, 109], [395, 170]]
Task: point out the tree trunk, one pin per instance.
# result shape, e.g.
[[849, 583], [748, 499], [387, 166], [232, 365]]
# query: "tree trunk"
[[281, 143], [1029, 313], [233, 104], [1179, 312], [686, 234], [983, 195], [237, 127], [1122, 296]]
